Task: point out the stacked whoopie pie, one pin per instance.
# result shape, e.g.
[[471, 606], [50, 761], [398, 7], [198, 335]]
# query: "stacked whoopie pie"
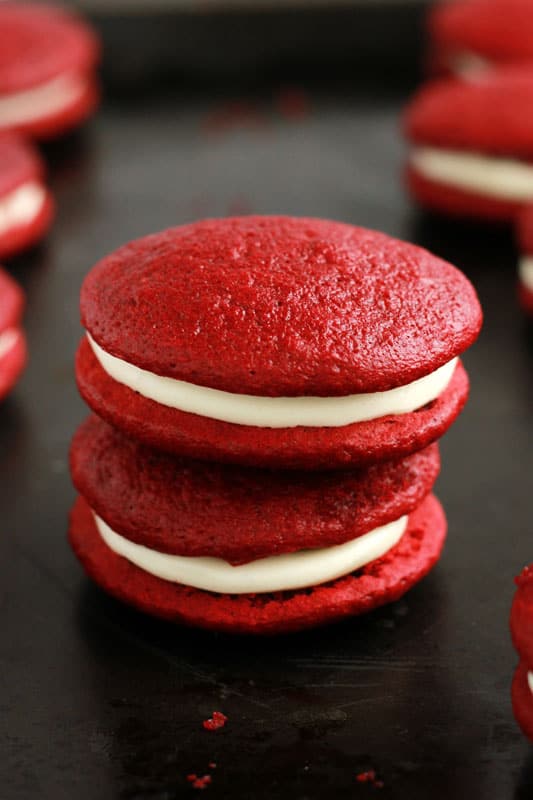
[[469, 133], [468, 38], [522, 633], [471, 145], [268, 392], [48, 60]]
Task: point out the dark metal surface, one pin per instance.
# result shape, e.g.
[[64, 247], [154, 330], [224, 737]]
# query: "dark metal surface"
[[100, 702], [247, 44]]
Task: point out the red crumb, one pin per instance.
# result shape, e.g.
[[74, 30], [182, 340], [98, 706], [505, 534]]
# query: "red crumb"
[[234, 114], [212, 765], [293, 103], [216, 721], [201, 783], [369, 777]]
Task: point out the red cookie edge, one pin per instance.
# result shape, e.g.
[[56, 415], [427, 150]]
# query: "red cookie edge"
[[522, 700], [12, 364]]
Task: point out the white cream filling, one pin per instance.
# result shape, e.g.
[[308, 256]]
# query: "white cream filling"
[[499, 178], [272, 574], [21, 205], [530, 681], [525, 271], [48, 98], [8, 339], [275, 412], [469, 65]]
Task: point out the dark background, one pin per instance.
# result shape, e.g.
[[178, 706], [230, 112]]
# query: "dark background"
[[98, 701]]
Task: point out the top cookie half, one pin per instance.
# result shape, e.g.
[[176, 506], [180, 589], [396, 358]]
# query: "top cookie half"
[[270, 324]]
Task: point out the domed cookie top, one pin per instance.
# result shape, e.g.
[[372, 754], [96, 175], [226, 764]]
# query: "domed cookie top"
[[488, 115], [280, 307]]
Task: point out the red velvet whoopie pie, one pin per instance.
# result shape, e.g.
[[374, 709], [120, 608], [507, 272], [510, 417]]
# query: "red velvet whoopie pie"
[[48, 61], [276, 342], [471, 145], [245, 550], [522, 633], [467, 38], [26, 205], [13, 354]]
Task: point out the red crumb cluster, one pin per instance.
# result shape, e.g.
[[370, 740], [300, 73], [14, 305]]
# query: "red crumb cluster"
[[216, 721], [293, 103], [197, 782], [369, 777]]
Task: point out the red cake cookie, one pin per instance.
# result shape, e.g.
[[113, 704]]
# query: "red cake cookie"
[[522, 633], [525, 266], [249, 550], [12, 341], [470, 37], [472, 145], [277, 341], [26, 205], [237, 513], [48, 59]]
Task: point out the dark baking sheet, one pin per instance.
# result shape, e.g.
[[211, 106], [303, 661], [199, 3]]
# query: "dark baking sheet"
[[100, 702]]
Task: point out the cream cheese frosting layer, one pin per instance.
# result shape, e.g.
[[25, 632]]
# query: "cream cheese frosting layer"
[[525, 271], [21, 205], [469, 65], [8, 340], [530, 681], [274, 412], [48, 98], [273, 574], [498, 178]]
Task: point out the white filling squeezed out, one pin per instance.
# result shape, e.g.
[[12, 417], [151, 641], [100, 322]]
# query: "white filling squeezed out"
[[48, 98], [498, 178], [469, 65], [525, 271], [8, 339], [21, 205], [275, 412], [273, 574]]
